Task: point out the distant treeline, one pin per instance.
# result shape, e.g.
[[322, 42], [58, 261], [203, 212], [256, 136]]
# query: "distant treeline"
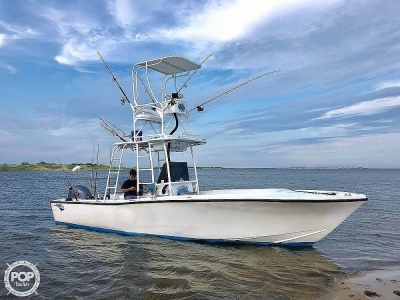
[[44, 166]]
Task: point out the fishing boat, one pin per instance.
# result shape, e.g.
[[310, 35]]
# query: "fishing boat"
[[169, 201]]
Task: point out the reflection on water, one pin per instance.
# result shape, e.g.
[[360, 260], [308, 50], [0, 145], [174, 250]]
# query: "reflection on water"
[[112, 266]]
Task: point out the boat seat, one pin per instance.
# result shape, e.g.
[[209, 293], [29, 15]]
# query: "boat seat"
[[179, 171]]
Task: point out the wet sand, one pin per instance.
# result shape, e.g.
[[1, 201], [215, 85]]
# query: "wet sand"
[[370, 285]]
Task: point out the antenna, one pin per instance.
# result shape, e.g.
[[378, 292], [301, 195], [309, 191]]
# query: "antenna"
[[200, 108], [123, 99]]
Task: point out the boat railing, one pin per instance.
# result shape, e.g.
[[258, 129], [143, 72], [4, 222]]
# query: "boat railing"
[[141, 137], [141, 107]]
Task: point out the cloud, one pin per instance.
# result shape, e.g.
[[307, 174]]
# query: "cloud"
[[388, 84], [8, 138], [338, 60], [196, 27], [220, 21], [74, 52], [2, 39], [123, 11], [346, 151], [74, 33], [369, 150], [363, 108], [8, 67], [15, 32]]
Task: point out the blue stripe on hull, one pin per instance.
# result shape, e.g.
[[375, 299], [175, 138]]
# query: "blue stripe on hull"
[[185, 239]]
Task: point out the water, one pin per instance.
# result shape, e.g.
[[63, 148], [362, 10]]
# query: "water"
[[80, 264]]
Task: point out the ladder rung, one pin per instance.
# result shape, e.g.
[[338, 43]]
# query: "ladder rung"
[[114, 170]]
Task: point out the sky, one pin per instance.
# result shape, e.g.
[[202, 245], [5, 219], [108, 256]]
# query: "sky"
[[335, 101]]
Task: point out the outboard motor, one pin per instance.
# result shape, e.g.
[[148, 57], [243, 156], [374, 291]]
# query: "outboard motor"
[[78, 192]]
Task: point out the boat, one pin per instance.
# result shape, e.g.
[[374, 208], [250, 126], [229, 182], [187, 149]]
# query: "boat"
[[169, 200]]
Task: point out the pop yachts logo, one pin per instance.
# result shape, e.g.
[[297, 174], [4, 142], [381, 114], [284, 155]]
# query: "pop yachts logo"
[[21, 278]]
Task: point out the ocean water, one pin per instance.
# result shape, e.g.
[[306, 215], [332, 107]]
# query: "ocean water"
[[82, 264]]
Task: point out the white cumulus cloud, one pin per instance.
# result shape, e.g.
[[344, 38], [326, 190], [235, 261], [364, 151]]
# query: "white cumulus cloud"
[[387, 84], [2, 39], [363, 108], [8, 67]]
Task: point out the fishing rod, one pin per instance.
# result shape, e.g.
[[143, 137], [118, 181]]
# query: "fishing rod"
[[147, 91], [110, 128], [200, 108], [123, 99], [69, 183], [190, 77]]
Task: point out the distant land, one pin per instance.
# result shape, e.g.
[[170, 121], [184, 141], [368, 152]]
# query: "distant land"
[[45, 166]]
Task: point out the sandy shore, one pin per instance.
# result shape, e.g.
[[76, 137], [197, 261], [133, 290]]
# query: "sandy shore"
[[370, 285]]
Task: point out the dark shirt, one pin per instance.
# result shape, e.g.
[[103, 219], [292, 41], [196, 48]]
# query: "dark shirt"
[[127, 184]]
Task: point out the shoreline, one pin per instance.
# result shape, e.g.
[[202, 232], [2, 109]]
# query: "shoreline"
[[102, 167], [376, 284]]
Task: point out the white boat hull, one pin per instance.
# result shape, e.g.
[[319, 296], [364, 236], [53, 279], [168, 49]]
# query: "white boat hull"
[[253, 216]]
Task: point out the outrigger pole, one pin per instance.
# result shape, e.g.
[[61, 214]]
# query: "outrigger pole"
[[123, 99], [190, 77], [110, 127], [69, 183], [200, 108]]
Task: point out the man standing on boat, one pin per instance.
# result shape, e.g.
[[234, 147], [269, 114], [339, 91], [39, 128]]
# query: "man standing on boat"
[[129, 186]]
